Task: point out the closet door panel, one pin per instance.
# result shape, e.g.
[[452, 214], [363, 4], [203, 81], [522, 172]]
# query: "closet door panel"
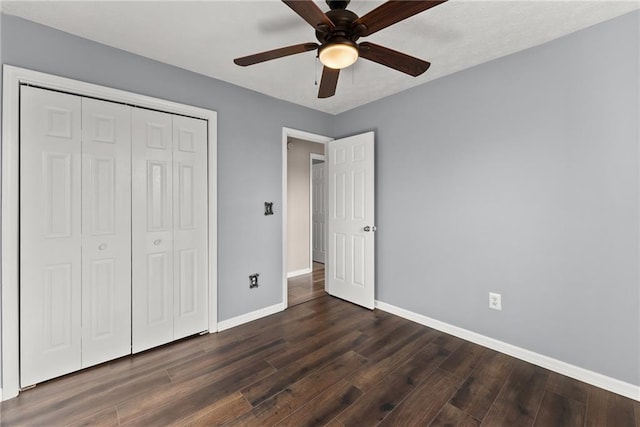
[[50, 239], [190, 225], [152, 236], [106, 231]]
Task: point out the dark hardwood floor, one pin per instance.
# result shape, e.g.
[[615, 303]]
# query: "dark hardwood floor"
[[307, 287], [322, 362]]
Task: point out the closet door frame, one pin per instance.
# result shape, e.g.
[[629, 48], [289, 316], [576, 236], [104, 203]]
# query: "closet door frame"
[[13, 78]]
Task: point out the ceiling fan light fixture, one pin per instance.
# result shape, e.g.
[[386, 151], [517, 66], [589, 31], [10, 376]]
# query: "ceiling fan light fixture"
[[338, 55]]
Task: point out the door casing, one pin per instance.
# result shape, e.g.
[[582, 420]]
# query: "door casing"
[[13, 77], [313, 157]]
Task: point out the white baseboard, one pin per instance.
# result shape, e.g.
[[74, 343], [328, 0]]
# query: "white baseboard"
[[250, 317], [299, 272], [611, 384]]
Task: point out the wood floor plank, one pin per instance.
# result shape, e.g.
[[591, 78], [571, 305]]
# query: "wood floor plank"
[[380, 324], [518, 401], [328, 305], [451, 416], [75, 407], [387, 343], [597, 408], [606, 409], [374, 405], [463, 360], [559, 411], [448, 342], [216, 414], [306, 287], [213, 361], [568, 387], [480, 389], [425, 403], [376, 369], [276, 326], [334, 317], [200, 398], [105, 418], [283, 404], [295, 350], [324, 407], [621, 411], [182, 387], [245, 420], [261, 390], [609, 409]]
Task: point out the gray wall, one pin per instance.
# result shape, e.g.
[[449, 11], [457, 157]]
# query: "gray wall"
[[519, 176], [249, 146]]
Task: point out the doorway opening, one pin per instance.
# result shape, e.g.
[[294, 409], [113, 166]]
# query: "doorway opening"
[[304, 233]]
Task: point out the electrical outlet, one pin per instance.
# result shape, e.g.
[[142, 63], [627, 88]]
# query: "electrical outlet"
[[253, 280], [495, 301]]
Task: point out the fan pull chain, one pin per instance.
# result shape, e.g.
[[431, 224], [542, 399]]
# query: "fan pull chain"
[[315, 70]]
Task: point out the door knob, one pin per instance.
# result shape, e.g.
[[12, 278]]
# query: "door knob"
[[102, 247], [368, 228], [157, 242]]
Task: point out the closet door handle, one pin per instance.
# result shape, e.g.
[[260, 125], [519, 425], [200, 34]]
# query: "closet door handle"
[[102, 246], [157, 242]]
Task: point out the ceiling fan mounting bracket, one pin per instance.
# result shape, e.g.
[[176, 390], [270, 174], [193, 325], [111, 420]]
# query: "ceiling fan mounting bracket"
[[338, 4]]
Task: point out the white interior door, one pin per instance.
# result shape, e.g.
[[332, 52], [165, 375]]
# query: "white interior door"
[[152, 237], [351, 220], [106, 231], [50, 240], [190, 226], [318, 213]]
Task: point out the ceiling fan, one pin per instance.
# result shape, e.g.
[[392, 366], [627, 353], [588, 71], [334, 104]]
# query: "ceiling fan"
[[338, 31]]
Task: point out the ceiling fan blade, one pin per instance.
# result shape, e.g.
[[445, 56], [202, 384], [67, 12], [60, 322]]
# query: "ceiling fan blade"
[[310, 12], [275, 53], [328, 83], [391, 12], [393, 59]]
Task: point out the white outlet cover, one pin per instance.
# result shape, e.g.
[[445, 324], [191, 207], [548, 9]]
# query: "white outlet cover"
[[495, 301]]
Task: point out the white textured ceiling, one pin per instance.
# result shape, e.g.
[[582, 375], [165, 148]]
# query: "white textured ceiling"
[[205, 36]]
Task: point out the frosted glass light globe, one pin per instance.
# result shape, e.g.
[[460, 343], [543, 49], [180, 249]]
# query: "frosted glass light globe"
[[338, 55]]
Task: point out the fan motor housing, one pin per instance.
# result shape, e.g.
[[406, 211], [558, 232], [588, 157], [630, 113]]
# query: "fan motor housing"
[[343, 20]]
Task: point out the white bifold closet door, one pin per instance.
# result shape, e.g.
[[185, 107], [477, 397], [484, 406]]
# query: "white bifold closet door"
[[74, 233], [106, 231], [190, 266], [169, 211]]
